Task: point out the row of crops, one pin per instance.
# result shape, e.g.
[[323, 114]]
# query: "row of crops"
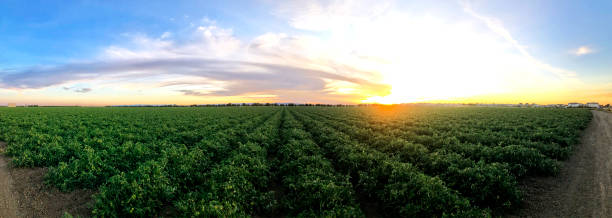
[[294, 161]]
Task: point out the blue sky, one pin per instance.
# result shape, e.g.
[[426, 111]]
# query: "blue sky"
[[134, 52], [51, 32]]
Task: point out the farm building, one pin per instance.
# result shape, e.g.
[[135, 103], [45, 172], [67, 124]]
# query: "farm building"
[[573, 104], [12, 105], [593, 105]]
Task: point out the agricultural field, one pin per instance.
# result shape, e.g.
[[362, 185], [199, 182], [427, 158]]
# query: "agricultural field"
[[390, 161]]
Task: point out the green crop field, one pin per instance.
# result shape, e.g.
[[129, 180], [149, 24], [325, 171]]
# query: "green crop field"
[[294, 161]]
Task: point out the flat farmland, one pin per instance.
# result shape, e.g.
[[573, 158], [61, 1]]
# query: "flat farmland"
[[376, 161]]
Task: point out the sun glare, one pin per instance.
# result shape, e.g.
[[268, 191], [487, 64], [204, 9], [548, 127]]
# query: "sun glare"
[[429, 59]]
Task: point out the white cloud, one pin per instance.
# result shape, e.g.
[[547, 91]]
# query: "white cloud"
[[204, 42], [327, 15], [166, 35], [583, 50]]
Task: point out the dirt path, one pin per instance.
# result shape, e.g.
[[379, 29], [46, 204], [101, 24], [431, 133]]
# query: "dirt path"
[[584, 186], [23, 194], [8, 206]]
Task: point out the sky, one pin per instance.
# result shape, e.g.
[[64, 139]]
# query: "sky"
[[95, 53]]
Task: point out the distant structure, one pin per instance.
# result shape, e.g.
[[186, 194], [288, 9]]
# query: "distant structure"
[[573, 104], [12, 105], [592, 105]]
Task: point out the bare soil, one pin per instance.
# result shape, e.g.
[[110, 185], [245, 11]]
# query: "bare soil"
[[583, 188], [8, 205], [23, 194]]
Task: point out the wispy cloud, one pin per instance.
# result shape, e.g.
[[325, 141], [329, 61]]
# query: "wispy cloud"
[[583, 50], [193, 93], [83, 90], [77, 90], [497, 27], [327, 15], [242, 76]]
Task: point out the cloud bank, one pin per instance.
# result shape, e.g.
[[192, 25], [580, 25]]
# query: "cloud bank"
[[271, 64]]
